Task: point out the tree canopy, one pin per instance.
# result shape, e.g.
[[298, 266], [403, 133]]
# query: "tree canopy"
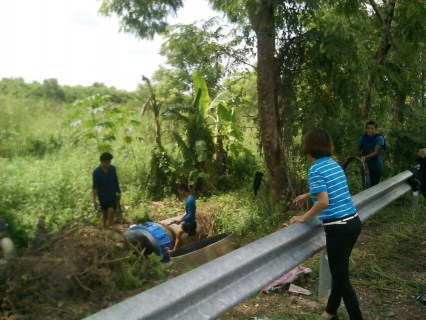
[[319, 63]]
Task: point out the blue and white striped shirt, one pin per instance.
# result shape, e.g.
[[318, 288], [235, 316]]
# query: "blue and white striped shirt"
[[327, 175]]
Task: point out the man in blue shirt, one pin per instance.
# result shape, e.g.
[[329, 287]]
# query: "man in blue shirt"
[[106, 188], [371, 146], [189, 223]]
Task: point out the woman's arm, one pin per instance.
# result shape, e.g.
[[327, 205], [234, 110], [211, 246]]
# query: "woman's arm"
[[300, 200], [317, 208]]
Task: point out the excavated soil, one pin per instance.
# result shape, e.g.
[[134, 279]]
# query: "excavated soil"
[[82, 269], [77, 271], [64, 274]]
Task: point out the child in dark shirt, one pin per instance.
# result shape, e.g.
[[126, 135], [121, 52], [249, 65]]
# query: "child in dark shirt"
[[189, 224], [106, 188], [370, 146]]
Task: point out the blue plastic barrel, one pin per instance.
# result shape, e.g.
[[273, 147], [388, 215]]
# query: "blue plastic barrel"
[[158, 235]]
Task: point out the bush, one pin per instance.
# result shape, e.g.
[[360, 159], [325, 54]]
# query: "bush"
[[160, 178]]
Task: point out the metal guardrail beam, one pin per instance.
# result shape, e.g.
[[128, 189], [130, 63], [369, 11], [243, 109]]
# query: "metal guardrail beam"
[[374, 199], [210, 290]]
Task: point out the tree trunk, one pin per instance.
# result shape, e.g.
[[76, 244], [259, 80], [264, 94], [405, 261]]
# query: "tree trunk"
[[399, 106], [157, 126], [268, 122], [220, 155], [414, 104], [423, 91], [156, 110], [381, 52], [366, 106]]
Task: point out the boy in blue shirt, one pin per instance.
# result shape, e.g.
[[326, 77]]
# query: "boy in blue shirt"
[[371, 146], [106, 188], [189, 224]]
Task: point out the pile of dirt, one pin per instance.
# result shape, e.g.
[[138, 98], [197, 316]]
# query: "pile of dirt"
[[79, 264], [77, 271], [205, 220]]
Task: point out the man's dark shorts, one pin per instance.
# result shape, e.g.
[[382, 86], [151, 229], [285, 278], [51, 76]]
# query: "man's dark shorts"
[[190, 229], [108, 204]]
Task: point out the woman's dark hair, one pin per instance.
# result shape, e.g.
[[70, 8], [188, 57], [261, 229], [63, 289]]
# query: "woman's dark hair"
[[183, 186], [371, 123], [106, 156], [317, 143]]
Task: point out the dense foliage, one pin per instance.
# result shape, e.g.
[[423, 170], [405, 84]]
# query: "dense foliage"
[[203, 117], [331, 64]]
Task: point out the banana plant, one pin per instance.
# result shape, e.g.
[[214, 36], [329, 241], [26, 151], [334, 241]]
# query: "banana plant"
[[160, 167], [204, 145], [197, 145], [228, 136], [152, 103]]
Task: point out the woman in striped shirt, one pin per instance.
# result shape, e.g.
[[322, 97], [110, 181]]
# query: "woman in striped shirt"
[[328, 189]]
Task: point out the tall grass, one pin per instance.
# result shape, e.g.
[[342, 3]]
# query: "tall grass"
[[57, 187], [46, 176], [30, 126]]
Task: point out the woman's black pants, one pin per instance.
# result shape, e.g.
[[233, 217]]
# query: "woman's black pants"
[[341, 239]]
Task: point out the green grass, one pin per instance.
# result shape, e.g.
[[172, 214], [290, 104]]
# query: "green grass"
[[46, 177], [57, 188], [27, 126]]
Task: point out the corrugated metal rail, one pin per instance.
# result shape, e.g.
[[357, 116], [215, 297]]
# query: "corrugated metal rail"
[[211, 290]]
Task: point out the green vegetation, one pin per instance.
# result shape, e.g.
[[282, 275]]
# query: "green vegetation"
[[50, 179], [209, 126], [49, 148], [319, 64], [217, 118]]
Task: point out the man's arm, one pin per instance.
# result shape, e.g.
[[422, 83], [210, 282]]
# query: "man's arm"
[[373, 154], [180, 220], [95, 187], [95, 195], [190, 211], [117, 185]]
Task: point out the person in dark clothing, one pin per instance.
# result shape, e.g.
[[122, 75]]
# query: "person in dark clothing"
[[370, 147], [328, 188], [189, 223], [106, 188], [257, 181]]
